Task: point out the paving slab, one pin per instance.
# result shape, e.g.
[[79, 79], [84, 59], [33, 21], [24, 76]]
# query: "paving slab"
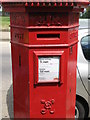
[[4, 35]]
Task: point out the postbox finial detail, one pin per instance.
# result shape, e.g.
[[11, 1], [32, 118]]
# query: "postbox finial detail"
[[71, 4], [66, 4], [26, 4], [43, 4], [60, 4], [32, 4], [38, 4], [49, 4], [55, 4]]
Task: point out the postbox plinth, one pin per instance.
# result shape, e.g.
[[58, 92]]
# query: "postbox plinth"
[[44, 39]]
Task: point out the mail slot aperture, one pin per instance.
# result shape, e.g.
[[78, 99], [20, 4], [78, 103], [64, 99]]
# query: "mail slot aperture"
[[48, 36]]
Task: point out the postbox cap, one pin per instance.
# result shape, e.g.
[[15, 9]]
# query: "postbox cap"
[[73, 1], [62, 2]]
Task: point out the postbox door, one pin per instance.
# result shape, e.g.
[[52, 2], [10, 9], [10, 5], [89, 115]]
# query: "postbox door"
[[47, 84]]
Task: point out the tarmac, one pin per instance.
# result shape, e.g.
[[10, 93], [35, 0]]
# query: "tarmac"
[[6, 87]]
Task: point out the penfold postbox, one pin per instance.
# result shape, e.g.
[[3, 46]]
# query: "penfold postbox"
[[44, 37]]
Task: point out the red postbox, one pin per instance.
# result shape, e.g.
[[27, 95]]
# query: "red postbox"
[[44, 37]]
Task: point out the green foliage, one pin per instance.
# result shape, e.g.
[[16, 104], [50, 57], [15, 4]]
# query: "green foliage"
[[86, 14], [5, 22]]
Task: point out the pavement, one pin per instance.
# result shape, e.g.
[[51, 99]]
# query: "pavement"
[[6, 87], [4, 35]]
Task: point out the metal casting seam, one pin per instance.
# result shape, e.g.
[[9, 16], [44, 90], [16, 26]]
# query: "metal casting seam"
[[54, 27], [39, 46]]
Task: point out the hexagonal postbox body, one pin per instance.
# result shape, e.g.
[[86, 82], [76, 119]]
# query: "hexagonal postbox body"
[[44, 37]]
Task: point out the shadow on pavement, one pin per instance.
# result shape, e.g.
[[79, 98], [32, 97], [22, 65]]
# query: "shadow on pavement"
[[9, 100]]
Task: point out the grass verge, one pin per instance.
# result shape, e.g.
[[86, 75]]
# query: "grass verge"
[[5, 22]]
